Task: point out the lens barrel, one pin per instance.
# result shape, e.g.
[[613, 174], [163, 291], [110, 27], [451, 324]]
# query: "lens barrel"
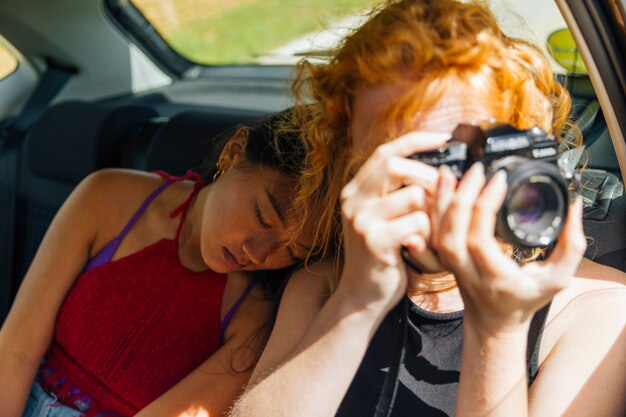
[[536, 203]]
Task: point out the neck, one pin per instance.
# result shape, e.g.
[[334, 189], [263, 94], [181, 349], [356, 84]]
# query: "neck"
[[437, 293], [190, 234]]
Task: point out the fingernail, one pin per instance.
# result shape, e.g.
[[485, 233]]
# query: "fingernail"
[[415, 244], [444, 178], [476, 169], [499, 177], [579, 200], [450, 176]]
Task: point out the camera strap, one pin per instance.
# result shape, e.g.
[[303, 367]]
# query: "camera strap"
[[388, 392]]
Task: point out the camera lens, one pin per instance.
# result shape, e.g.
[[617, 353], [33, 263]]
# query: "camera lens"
[[536, 202], [535, 210], [528, 203]]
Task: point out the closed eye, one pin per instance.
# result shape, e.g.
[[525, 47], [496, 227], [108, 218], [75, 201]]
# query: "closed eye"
[[259, 217]]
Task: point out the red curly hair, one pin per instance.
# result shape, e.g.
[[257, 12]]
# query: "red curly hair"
[[434, 45]]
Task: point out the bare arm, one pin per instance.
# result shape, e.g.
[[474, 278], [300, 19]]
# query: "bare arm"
[[585, 371], [314, 369], [583, 374], [311, 358], [27, 331]]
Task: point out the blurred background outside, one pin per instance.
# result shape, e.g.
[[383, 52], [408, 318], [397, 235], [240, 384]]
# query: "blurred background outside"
[[282, 32], [223, 32]]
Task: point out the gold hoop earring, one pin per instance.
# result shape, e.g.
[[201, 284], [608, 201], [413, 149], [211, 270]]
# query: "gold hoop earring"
[[218, 173]]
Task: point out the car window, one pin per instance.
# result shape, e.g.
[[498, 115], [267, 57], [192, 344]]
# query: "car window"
[[8, 61], [236, 32], [281, 32]]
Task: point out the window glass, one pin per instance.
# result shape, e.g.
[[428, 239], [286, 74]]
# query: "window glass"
[[219, 32], [8, 61], [226, 32]]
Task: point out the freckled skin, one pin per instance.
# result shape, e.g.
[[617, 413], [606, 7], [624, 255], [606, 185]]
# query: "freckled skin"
[[368, 130], [229, 220]]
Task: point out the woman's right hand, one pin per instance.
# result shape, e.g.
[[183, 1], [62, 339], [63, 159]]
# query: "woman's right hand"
[[384, 207], [499, 295]]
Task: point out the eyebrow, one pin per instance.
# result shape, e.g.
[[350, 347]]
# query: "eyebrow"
[[281, 215]]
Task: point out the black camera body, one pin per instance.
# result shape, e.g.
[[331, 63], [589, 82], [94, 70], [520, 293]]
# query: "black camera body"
[[537, 199]]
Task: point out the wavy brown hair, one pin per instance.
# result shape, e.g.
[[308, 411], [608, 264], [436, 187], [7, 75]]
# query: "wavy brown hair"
[[434, 45]]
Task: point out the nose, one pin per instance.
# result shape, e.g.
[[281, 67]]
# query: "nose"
[[258, 248]]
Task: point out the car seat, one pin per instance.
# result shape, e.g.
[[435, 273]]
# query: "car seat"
[[183, 141], [68, 142]]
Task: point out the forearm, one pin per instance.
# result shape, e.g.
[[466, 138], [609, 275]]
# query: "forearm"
[[16, 377], [313, 380], [493, 373]]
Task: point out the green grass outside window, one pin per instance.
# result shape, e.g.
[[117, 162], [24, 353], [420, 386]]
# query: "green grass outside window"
[[218, 32]]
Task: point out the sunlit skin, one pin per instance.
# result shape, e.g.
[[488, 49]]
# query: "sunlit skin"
[[366, 130], [499, 297], [248, 223], [389, 201], [242, 221], [239, 222], [399, 85]]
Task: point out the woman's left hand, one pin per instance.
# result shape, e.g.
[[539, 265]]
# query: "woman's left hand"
[[499, 295]]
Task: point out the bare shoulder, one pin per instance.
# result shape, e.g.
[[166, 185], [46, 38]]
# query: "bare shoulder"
[[313, 282], [599, 283], [590, 308], [304, 296], [110, 186], [99, 197], [601, 274], [582, 368], [114, 195], [305, 293]]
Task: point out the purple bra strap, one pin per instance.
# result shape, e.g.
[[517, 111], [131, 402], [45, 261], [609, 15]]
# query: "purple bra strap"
[[107, 252], [228, 317]]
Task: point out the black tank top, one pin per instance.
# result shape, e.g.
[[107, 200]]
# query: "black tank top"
[[429, 375]]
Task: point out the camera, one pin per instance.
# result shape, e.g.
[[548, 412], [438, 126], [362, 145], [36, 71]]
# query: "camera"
[[537, 199]]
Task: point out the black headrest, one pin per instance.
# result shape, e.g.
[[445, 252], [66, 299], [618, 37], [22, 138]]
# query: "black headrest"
[[185, 140], [72, 139]]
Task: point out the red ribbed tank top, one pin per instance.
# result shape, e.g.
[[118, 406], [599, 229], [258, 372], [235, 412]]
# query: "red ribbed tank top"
[[130, 329]]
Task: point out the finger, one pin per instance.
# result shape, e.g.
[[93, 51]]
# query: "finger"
[[571, 245], [471, 184], [442, 198], [413, 142], [385, 175], [481, 242], [385, 158], [403, 147], [398, 203], [451, 243], [421, 255], [399, 229], [410, 172]]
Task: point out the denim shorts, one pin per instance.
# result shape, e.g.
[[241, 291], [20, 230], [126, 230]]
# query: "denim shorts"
[[42, 404]]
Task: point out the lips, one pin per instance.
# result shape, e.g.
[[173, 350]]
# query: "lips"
[[231, 260]]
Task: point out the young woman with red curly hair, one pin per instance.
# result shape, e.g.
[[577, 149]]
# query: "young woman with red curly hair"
[[399, 85]]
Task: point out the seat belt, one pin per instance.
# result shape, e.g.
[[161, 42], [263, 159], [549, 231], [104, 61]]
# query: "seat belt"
[[12, 131]]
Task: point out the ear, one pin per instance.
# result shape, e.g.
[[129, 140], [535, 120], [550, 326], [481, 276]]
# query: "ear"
[[234, 150]]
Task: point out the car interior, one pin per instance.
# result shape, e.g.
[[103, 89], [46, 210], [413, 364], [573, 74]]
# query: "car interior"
[[87, 95]]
